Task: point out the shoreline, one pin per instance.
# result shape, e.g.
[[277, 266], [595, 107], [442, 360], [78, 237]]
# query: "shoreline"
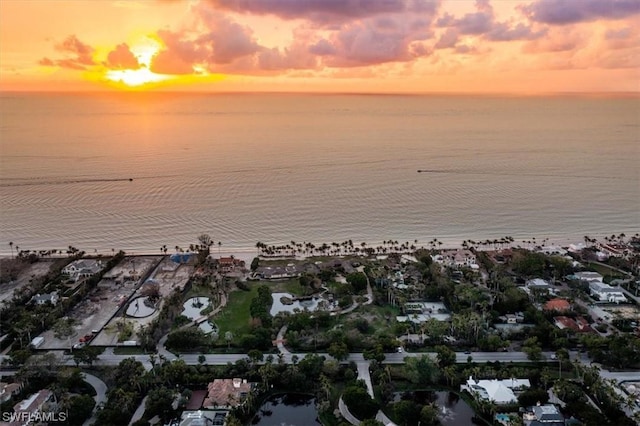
[[248, 254]]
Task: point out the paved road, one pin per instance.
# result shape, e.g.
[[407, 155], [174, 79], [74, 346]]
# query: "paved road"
[[363, 374], [101, 395], [139, 411], [391, 358]]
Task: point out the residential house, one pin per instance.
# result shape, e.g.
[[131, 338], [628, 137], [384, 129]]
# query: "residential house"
[[229, 264], [42, 299], [31, 407], [611, 250], [606, 293], [543, 415], [457, 258], [538, 284], [9, 390], [200, 418], [557, 305], [226, 393], [579, 325], [588, 276], [82, 268], [497, 391]]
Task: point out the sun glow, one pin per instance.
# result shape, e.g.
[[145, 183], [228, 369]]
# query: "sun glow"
[[133, 78], [144, 52]]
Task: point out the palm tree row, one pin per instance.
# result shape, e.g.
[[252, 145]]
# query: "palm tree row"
[[346, 247]]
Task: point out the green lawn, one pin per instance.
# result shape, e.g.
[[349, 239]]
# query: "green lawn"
[[605, 271], [289, 286], [235, 316]]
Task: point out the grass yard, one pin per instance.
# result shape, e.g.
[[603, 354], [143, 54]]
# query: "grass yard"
[[200, 291], [289, 286], [605, 271], [380, 317], [235, 316]]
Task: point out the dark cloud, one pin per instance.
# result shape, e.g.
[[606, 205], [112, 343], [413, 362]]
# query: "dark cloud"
[[224, 39], [502, 31], [322, 48], [81, 55], [561, 12], [483, 23], [367, 42], [218, 41], [326, 11], [448, 39], [122, 58], [475, 23]]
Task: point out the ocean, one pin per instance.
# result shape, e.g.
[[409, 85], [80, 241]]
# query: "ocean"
[[136, 171]]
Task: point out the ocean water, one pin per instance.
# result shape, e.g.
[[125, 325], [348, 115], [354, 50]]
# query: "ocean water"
[[136, 171]]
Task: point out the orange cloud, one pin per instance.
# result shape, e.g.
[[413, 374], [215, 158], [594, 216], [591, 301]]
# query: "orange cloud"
[[122, 58], [81, 55]]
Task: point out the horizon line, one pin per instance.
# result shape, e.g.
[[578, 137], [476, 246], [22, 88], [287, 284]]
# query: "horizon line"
[[618, 94]]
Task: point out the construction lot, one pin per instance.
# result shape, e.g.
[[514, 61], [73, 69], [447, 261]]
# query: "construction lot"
[[168, 276], [25, 275], [95, 312]]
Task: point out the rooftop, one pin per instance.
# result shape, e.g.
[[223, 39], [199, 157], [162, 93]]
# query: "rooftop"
[[226, 393], [557, 305]]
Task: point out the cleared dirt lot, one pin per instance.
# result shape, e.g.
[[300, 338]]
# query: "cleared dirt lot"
[[96, 310], [626, 311], [169, 276], [29, 272]]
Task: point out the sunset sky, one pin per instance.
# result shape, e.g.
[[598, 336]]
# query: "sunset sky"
[[386, 46]]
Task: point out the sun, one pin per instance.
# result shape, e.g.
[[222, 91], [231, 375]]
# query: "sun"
[[144, 51], [135, 78]]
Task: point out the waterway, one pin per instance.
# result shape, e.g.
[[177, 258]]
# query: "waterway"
[[453, 410], [287, 410]]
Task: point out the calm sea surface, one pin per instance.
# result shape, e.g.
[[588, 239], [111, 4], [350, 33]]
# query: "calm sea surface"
[[276, 168]]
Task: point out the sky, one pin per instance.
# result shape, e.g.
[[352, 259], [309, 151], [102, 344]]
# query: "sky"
[[530, 47]]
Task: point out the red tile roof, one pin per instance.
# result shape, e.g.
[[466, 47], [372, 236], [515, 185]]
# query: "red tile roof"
[[557, 305]]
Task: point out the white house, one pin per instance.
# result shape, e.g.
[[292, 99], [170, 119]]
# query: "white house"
[[497, 391], [588, 276], [82, 268], [31, 406], [606, 293], [8, 390], [41, 299], [457, 258]]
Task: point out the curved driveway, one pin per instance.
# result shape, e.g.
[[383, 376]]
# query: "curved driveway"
[[101, 394]]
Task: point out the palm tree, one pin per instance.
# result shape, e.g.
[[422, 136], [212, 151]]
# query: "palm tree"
[[219, 247], [11, 246]]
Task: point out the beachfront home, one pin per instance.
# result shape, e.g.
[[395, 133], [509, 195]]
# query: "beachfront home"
[[226, 393], [82, 268], [229, 264], [497, 391], [611, 250], [606, 293], [456, 258]]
